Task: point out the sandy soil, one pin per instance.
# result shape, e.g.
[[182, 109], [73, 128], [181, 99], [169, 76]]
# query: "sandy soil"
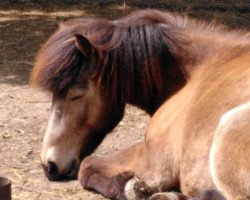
[[24, 111]]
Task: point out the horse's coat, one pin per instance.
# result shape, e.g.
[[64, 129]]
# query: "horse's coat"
[[197, 140]]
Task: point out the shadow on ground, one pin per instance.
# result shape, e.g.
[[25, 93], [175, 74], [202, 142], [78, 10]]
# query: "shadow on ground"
[[25, 25], [22, 32]]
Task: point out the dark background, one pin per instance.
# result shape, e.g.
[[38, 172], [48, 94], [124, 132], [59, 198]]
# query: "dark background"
[[233, 13]]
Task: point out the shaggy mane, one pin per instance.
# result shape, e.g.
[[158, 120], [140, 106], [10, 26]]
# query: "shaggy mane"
[[131, 52]]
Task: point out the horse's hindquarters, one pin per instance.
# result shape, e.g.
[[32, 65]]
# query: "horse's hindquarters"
[[229, 156]]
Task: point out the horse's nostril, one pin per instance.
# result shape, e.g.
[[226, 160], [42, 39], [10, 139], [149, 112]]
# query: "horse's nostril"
[[52, 170], [72, 170]]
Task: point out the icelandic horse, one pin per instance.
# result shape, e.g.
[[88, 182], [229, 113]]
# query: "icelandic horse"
[[196, 142]]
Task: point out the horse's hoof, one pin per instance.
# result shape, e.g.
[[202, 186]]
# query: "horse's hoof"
[[168, 196], [136, 189]]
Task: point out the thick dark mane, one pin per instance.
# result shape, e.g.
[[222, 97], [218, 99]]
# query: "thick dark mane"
[[133, 55]]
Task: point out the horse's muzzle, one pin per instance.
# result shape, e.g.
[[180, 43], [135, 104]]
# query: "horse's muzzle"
[[51, 171]]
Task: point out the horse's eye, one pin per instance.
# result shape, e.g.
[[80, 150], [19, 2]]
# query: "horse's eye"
[[75, 94], [76, 97]]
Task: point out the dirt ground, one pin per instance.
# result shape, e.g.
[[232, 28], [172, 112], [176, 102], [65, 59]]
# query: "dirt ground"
[[24, 110]]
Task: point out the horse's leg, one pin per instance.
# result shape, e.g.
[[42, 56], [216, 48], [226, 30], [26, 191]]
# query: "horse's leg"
[[168, 196], [229, 155], [110, 176], [210, 195], [110, 187], [204, 195]]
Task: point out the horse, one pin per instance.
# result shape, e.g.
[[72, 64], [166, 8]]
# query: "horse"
[[196, 74], [93, 67]]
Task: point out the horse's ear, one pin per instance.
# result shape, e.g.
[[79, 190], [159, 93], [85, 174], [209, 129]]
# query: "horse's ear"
[[83, 45]]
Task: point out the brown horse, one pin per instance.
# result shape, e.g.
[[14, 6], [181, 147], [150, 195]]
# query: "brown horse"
[[197, 140], [93, 68]]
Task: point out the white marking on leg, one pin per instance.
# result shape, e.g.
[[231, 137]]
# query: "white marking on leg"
[[129, 189]]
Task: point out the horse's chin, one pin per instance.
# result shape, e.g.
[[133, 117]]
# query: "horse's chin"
[[62, 178]]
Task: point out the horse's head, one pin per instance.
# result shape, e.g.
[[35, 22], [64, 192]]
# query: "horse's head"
[[93, 67], [81, 113]]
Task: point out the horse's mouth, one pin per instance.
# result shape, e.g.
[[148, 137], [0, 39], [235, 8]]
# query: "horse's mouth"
[[52, 173]]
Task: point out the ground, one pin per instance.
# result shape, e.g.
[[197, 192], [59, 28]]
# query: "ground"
[[24, 110]]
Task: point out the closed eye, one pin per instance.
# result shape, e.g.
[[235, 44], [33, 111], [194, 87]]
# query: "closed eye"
[[76, 93], [76, 97]]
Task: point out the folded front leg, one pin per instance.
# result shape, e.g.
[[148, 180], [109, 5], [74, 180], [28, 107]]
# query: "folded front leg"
[[204, 195], [169, 196], [110, 187], [108, 176]]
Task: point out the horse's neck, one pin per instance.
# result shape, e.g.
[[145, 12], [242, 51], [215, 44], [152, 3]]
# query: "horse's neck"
[[194, 50], [173, 79], [208, 46], [176, 70]]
